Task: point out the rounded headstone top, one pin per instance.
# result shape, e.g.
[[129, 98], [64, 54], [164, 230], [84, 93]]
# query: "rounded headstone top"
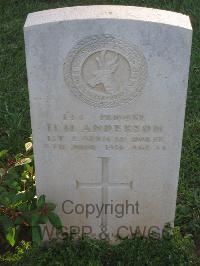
[[108, 12]]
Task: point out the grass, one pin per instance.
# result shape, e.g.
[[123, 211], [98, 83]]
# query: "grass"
[[138, 252], [14, 105]]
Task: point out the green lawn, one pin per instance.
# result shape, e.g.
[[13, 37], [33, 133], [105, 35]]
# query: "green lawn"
[[14, 105]]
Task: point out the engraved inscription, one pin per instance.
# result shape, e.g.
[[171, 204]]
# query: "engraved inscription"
[[104, 71], [117, 132]]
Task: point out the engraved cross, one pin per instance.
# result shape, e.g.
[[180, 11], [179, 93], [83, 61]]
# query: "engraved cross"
[[104, 185]]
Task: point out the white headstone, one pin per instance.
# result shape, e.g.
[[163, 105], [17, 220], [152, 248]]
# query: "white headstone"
[[107, 91]]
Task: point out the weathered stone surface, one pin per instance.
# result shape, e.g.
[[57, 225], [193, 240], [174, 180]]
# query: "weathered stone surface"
[[107, 91]]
